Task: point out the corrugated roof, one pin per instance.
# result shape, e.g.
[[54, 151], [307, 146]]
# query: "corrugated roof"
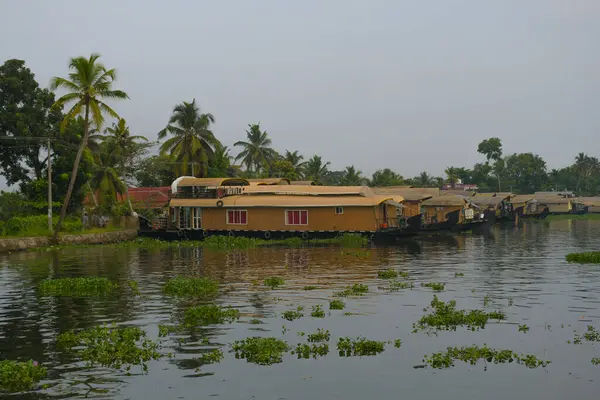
[[302, 183], [444, 201], [310, 190], [284, 201], [409, 194], [269, 181], [552, 199], [212, 182], [504, 195]]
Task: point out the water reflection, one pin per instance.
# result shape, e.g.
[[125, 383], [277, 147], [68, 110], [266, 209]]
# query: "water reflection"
[[521, 270]]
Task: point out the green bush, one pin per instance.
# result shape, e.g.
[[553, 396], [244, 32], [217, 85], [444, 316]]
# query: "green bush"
[[37, 225]]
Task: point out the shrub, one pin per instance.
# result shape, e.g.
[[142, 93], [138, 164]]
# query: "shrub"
[[360, 346], [337, 305]]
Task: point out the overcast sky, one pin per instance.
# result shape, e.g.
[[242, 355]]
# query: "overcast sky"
[[409, 85]]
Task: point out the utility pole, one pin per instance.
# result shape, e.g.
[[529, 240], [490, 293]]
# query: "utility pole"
[[49, 186]]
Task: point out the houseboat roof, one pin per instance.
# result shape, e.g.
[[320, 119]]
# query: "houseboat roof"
[[302, 183], [446, 201], [589, 201], [522, 198], [486, 201], [186, 181], [409, 194], [286, 201], [503, 195], [553, 199], [310, 190], [269, 181], [457, 192]]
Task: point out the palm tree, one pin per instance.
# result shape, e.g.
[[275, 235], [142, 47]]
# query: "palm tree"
[[352, 177], [88, 83], [125, 147], [452, 176], [105, 178], [424, 179], [581, 162], [257, 152], [315, 170], [193, 142], [295, 159]]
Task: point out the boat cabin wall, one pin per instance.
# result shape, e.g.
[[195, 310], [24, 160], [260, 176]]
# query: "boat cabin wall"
[[411, 208], [437, 214]]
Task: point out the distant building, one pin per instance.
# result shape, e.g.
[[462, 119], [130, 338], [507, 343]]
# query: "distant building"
[[470, 187]]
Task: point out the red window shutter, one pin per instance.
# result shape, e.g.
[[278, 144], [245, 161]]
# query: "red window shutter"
[[243, 217], [230, 217], [304, 217], [290, 217], [296, 217]]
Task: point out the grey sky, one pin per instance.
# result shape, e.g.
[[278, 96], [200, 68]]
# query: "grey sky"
[[410, 85]]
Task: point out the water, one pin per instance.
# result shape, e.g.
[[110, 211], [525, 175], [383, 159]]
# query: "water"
[[525, 264]]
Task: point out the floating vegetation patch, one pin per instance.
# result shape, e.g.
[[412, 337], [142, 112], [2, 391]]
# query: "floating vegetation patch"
[[291, 315], [487, 300], [444, 316], [435, 286], [472, 354], [589, 257], [211, 357], [255, 321], [166, 330], [394, 286], [76, 287], [351, 240], [317, 311], [358, 289], [260, 350], [387, 274], [197, 287], [348, 347], [17, 376], [209, 314], [274, 282], [596, 361], [403, 274], [523, 328], [134, 286], [319, 336], [358, 253], [307, 351], [591, 335], [110, 346], [309, 287], [337, 305], [458, 274], [397, 343]]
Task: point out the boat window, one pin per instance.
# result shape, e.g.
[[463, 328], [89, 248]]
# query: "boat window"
[[339, 210], [296, 217], [237, 217]]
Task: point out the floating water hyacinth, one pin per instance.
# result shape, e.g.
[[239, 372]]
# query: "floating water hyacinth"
[[260, 350], [17, 376], [197, 287], [76, 287]]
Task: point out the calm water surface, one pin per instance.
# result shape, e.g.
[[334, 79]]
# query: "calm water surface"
[[525, 264]]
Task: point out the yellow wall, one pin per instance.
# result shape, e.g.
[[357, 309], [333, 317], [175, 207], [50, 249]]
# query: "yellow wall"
[[319, 219], [440, 212], [412, 208]]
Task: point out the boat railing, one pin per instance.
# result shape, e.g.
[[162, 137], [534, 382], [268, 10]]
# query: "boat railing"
[[391, 223]]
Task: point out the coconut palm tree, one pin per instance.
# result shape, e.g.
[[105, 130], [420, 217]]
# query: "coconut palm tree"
[[295, 159], [452, 176], [89, 83], [581, 166], [105, 178], [256, 152], [193, 143], [315, 170], [125, 148], [424, 179], [352, 177]]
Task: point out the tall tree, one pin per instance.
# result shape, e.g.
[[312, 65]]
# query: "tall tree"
[[26, 118], [492, 149], [154, 171], [526, 172], [581, 166], [352, 177], [221, 165], [125, 148], [89, 82], [316, 170], [105, 177], [385, 177], [424, 179], [193, 143], [256, 152], [452, 176], [295, 158]]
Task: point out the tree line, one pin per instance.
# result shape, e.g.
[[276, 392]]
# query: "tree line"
[[99, 160]]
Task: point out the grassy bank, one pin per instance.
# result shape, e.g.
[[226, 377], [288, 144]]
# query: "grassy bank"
[[561, 217], [225, 243], [37, 225]]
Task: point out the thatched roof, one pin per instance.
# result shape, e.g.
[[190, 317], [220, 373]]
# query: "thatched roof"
[[269, 181], [409, 194], [486, 201], [244, 201], [446, 201], [302, 183], [589, 201], [310, 190], [552, 199], [207, 182], [456, 192], [503, 195], [522, 198]]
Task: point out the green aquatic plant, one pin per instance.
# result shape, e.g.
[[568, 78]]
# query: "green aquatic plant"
[[255, 321], [358, 289], [209, 314], [589, 257], [596, 361], [387, 274], [510, 302], [472, 354], [591, 335], [360, 346], [260, 350], [523, 328], [337, 305], [319, 336], [291, 315], [274, 282], [301, 333], [487, 300], [310, 287], [111, 346], [458, 274], [351, 240], [397, 343], [357, 253], [76, 287], [394, 286], [18, 376], [445, 316], [308, 351], [403, 274], [317, 311], [436, 286], [211, 357], [166, 330], [196, 287], [134, 286]]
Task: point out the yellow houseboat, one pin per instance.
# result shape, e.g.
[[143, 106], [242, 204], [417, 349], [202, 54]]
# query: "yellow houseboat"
[[413, 198], [202, 207], [591, 204], [526, 206], [561, 205], [496, 207], [450, 212]]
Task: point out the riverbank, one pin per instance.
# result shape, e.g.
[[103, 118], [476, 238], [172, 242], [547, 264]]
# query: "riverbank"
[[8, 245]]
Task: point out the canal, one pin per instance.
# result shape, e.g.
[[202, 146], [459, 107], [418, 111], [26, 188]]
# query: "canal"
[[520, 271]]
